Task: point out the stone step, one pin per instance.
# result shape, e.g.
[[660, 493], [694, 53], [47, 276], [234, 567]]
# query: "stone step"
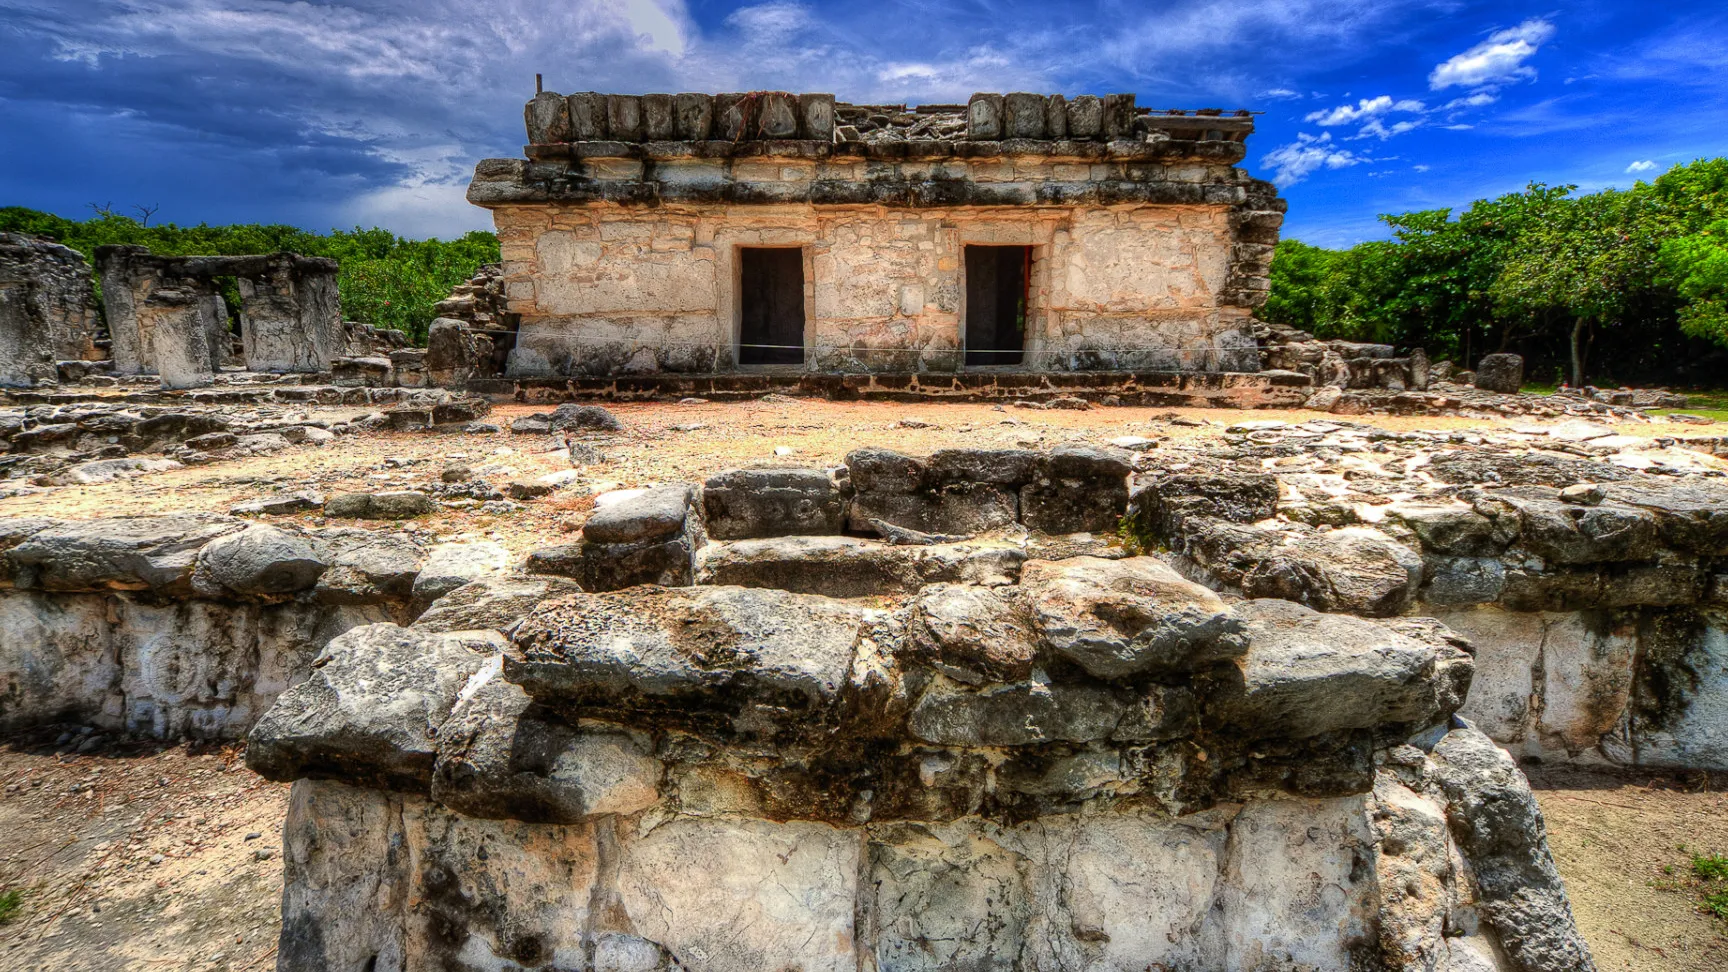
[[839, 566]]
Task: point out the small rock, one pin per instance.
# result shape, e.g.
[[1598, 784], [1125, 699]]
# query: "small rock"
[[1583, 494], [457, 472], [526, 490], [572, 416]]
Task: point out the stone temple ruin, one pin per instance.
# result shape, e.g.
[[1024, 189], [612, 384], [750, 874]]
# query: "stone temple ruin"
[[1243, 705], [695, 234], [47, 310], [167, 317]]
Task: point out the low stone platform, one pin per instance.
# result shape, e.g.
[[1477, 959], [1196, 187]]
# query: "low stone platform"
[[1266, 389]]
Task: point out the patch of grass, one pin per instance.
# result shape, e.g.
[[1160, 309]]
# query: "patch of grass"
[[1710, 867], [1715, 414], [1716, 903], [10, 903]]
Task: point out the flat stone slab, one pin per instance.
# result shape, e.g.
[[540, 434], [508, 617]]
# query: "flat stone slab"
[[853, 567]]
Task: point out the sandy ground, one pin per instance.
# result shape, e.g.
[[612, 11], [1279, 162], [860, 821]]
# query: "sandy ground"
[[137, 856], [1624, 844]]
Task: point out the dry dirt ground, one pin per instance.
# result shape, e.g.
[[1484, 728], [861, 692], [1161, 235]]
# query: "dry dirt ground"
[[139, 857]]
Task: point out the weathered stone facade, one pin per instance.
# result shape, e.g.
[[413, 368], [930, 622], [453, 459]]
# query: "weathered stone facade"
[[167, 317], [47, 310], [622, 232]]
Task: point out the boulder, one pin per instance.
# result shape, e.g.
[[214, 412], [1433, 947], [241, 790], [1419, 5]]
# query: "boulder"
[[1116, 618], [135, 553], [653, 515], [259, 561], [745, 503], [573, 416], [1503, 373], [370, 709], [500, 756], [1307, 674], [452, 565], [720, 661]]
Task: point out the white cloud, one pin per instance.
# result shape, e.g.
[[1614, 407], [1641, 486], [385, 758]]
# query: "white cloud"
[[1379, 129], [1644, 165], [1477, 100], [1370, 113], [1497, 60], [1298, 160], [1421, 168], [1280, 94]]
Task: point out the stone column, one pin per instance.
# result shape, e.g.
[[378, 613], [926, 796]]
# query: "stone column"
[[290, 316], [47, 310]]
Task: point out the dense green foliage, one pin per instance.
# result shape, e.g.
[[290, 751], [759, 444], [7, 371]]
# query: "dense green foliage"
[[1618, 285], [386, 281]]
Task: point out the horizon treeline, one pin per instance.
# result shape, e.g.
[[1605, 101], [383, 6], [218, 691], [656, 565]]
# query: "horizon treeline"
[[1621, 285], [385, 280]]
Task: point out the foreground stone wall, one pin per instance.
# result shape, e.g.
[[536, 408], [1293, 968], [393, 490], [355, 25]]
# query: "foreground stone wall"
[[620, 233], [1597, 597], [1103, 766], [47, 310], [180, 627]]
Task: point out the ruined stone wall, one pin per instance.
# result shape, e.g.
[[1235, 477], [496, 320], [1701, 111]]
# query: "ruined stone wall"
[[167, 317], [620, 250], [47, 310]]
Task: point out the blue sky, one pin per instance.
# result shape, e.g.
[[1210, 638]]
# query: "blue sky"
[[373, 112]]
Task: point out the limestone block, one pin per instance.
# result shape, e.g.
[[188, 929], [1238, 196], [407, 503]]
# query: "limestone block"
[[1056, 117], [851, 567], [984, 121], [1118, 116], [695, 116], [624, 118], [1680, 716], [55, 658], [745, 894], [370, 710], [816, 117], [1086, 117], [1502, 373], [729, 116], [1293, 895], [946, 896], [1308, 673], [659, 117], [587, 116], [548, 118], [1023, 115], [1116, 618], [500, 757], [973, 634], [744, 503], [777, 115], [344, 891]]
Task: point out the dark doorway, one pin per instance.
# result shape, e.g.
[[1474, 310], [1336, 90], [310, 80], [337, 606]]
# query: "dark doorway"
[[771, 306], [996, 304]]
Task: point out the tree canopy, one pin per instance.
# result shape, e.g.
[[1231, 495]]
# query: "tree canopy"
[[385, 280], [1617, 285]]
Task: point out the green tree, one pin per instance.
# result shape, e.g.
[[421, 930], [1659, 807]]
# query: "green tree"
[[1697, 266], [1590, 260]]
